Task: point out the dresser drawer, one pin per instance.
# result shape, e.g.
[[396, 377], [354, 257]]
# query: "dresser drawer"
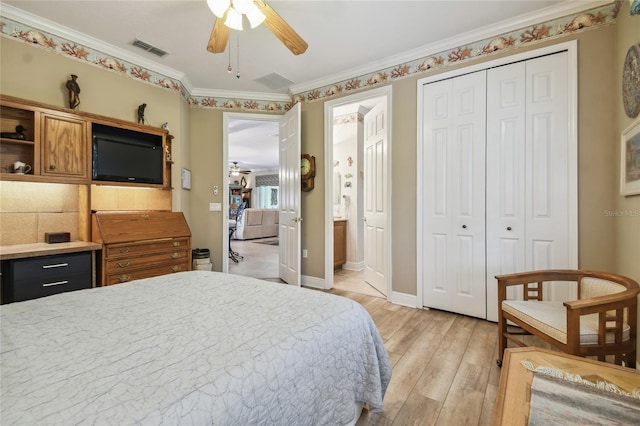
[[135, 262], [123, 277], [50, 267], [128, 249], [47, 275]]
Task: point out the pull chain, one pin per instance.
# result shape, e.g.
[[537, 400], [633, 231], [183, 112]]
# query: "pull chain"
[[238, 56]]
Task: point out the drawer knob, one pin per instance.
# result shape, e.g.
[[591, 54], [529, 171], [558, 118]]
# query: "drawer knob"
[[175, 255], [176, 243], [124, 264], [176, 268], [124, 250], [145, 216], [124, 278], [52, 167]]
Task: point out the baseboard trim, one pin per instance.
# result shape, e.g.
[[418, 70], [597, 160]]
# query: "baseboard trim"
[[314, 282], [410, 300]]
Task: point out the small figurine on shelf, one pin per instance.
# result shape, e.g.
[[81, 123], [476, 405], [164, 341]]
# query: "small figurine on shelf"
[[74, 92], [19, 133], [165, 126], [141, 113]]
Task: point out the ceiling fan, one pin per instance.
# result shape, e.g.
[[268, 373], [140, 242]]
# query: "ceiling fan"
[[236, 171], [257, 11]]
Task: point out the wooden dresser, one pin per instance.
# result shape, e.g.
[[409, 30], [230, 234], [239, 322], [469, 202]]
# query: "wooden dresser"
[[141, 245]]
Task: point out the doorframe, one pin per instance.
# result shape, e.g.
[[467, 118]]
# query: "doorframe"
[[226, 116], [385, 92], [571, 47]]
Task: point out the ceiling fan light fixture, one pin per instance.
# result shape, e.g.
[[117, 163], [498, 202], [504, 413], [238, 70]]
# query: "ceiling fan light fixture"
[[255, 15], [242, 6], [235, 170], [234, 19], [219, 7]]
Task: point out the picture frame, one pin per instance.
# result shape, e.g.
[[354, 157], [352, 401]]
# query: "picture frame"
[[186, 178], [630, 160]]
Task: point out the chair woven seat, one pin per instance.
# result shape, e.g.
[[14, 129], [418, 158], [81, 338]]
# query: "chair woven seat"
[[551, 319]]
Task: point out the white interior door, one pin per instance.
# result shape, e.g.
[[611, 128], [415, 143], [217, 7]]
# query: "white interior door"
[[289, 190], [454, 195], [375, 197]]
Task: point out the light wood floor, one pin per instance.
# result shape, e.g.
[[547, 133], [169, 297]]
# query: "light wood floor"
[[444, 368]]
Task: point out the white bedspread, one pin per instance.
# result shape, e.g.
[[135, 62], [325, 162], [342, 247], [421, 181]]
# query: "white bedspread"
[[190, 348]]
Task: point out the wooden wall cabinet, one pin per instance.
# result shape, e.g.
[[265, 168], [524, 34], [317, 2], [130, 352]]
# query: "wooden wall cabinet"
[[141, 245], [57, 143], [65, 149]]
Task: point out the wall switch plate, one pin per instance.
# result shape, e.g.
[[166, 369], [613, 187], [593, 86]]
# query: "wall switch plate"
[[305, 253], [215, 207]]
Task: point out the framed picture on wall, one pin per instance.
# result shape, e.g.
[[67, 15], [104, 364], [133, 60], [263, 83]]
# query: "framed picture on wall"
[[630, 160]]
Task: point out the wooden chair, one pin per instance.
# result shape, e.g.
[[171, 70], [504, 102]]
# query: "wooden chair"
[[603, 321]]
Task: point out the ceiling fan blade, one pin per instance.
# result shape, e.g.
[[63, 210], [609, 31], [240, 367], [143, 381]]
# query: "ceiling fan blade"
[[281, 29], [219, 36]]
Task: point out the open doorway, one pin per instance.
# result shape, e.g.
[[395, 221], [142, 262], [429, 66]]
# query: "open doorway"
[[357, 178], [250, 151]]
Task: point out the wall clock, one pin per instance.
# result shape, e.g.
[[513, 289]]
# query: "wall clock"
[[307, 172], [631, 82]]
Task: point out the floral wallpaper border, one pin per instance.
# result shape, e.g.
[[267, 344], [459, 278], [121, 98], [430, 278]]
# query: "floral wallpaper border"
[[594, 18]]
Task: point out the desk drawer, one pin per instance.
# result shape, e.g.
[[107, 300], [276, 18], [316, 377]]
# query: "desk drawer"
[[50, 267], [129, 249], [47, 275], [123, 277], [135, 262]]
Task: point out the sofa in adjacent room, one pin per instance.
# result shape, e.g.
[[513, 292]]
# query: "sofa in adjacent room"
[[257, 223]]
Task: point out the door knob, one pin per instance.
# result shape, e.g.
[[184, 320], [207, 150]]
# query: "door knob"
[[508, 228], [464, 226], [364, 219]]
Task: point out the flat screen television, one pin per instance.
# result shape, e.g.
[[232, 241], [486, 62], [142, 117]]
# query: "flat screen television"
[[121, 155]]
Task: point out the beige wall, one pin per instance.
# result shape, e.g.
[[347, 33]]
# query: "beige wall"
[[597, 163], [35, 74], [627, 226]]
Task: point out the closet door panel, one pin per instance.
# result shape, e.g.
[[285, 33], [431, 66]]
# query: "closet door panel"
[[453, 194], [505, 177], [547, 179]]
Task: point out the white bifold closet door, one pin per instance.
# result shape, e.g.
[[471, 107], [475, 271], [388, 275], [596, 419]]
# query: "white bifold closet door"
[[527, 172], [454, 194], [495, 182]]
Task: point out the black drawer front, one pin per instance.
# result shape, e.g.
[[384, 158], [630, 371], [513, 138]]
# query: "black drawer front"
[[49, 268], [47, 275], [32, 289]]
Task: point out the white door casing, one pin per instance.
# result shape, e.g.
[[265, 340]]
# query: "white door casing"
[[453, 195], [289, 190], [375, 197]]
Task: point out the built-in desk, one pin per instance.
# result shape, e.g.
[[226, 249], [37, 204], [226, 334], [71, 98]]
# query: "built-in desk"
[[40, 269]]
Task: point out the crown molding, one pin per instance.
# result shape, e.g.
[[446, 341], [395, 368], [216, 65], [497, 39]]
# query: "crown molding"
[[230, 94], [56, 29], [546, 14]]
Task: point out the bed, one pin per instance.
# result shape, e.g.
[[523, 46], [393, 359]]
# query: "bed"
[[194, 347]]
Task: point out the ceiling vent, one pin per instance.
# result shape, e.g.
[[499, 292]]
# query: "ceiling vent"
[[274, 81], [149, 48]]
